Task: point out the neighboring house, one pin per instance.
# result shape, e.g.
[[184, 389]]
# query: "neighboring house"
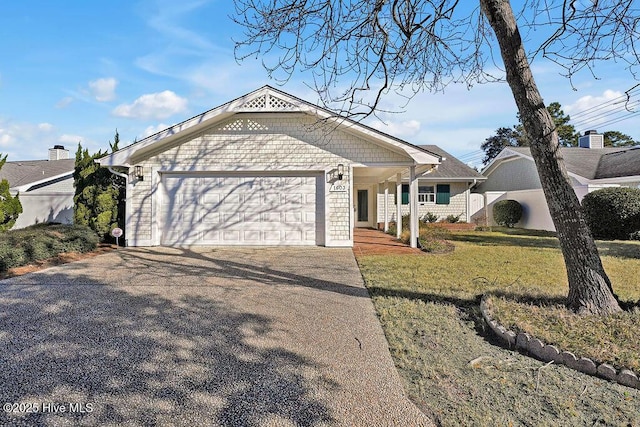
[[264, 169], [443, 190], [513, 175], [45, 187]]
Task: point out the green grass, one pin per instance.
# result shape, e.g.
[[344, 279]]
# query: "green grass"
[[428, 306]]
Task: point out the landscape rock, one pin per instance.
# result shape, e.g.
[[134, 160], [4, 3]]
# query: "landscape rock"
[[586, 365], [535, 347], [628, 378], [607, 371], [510, 336], [569, 359], [522, 341], [550, 353]]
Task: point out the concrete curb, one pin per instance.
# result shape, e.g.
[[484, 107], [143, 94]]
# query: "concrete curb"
[[549, 353]]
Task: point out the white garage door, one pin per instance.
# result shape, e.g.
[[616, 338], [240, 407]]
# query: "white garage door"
[[239, 210]]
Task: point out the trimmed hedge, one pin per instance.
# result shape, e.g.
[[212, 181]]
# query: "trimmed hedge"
[[507, 212], [613, 213], [42, 241]]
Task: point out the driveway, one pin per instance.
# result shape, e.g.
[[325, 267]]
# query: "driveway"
[[206, 336]]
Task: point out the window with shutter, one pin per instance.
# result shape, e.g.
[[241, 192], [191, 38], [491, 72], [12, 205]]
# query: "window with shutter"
[[443, 194], [405, 194]]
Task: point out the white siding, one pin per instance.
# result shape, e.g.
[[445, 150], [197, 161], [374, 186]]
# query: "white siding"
[[254, 142], [512, 175], [535, 211], [457, 203], [51, 203]]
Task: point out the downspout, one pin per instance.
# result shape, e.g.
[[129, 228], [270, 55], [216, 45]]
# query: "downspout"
[[471, 185], [126, 201]]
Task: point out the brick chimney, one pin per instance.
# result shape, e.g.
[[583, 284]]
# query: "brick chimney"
[[591, 139], [58, 152]]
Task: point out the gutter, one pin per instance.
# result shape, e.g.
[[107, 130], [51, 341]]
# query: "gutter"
[[120, 174]]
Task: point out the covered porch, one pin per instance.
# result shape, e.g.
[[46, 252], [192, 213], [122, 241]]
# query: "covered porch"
[[365, 185]]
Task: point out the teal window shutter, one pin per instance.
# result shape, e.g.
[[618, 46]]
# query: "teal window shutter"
[[443, 194], [405, 194]]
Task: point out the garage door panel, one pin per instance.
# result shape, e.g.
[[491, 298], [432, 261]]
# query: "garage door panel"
[[231, 236], [210, 198], [211, 236], [293, 217], [230, 199], [249, 210], [211, 217]]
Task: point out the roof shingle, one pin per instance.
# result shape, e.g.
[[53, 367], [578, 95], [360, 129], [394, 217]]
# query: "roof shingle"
[[450, 166], [597, 163], [25, 172]]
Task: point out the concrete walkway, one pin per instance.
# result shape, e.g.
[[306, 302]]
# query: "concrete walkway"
[[230, 337]]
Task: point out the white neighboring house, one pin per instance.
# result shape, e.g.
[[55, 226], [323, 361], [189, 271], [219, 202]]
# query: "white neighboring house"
[[443, 190], [267, 168], [45, 187], [513, 175]]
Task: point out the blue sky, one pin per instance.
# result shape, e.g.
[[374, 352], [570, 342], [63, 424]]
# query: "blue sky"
[[75, 71]]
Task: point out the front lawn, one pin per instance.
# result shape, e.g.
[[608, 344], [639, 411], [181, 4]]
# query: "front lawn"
[[428, 306]]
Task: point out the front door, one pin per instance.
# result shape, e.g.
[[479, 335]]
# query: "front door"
[[363, 208]]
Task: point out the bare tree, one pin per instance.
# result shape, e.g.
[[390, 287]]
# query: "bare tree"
[[361, 50]]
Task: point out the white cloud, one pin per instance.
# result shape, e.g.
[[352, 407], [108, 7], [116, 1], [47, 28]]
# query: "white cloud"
[[70, 139], [150, 130], [23, 140], [64, 102], [404, 129], [587, 102], [5, 138], [153, 106], [103, 89], [45, 127]]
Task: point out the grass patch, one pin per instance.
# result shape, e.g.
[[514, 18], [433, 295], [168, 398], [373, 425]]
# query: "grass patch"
[[611, 339], [43, 241], [428, 307]]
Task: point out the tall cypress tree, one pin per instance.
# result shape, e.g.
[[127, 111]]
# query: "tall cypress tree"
[[98, 198]]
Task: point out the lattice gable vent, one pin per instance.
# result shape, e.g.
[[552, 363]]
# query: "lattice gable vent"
[[239, 125], [268, 102]]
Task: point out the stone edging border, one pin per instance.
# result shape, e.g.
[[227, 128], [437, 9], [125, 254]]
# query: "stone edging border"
[[550, 353]]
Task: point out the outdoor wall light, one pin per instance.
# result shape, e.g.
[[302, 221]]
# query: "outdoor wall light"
[[340, 171], [139, 173]]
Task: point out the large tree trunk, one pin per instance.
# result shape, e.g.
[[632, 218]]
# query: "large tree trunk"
[[590, 290]]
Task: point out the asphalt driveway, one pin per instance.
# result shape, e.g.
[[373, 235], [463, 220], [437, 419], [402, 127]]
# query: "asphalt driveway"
[[209, 336]]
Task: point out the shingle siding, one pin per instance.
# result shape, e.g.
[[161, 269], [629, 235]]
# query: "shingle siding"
[[457, 203], [253, 142], [512, 175]]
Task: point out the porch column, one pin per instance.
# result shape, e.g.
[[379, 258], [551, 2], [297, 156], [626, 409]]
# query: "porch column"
[[413, 206], [398, 205], [386, 205]]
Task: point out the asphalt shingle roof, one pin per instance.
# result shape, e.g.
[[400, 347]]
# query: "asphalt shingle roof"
[[598, 163], [450, 166], [25, 172]]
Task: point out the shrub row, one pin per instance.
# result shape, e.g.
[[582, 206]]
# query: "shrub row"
[[613, 213], [42, 241]]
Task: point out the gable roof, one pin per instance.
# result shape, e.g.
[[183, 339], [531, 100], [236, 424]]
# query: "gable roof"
[[588, 163], [265, 99], [619, 163], [22, 175], [450, 167]]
